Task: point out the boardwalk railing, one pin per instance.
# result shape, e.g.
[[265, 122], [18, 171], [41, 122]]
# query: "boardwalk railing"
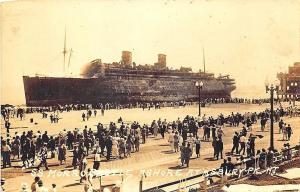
[[280, 157]]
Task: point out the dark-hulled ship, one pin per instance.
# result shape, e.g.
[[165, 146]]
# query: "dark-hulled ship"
[[126, 82]]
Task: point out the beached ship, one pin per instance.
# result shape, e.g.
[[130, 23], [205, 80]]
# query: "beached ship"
[[126, 82]]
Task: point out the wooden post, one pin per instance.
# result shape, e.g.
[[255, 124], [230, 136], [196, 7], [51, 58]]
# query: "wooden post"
[[265, 162], [222, 180], [100, 183], [141, 184]]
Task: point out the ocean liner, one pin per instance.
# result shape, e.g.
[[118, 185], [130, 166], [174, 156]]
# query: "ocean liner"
[[126, 82]]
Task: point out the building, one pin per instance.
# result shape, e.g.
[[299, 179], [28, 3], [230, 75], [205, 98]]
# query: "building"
[[126, 58], [290, 82], [161, 62]]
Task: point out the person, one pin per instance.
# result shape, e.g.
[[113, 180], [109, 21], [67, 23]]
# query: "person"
[[284, 132], [263, 122], [248, 148], [82, 168], [108, 145], [219, 148], [235, 141], [171, 140], [43, 158], [5, 150], [96, 161], [115, 148], [223, 167], [75, 157], [206, 132], [220, 133], [144, 134], [16, 147], [214, 145], [280, 125], [45, 137], [31, 154], [7, 126], [176, 142], [289, 132], [187, 153], [122, 148], [182, 154], [51, 146], [262, 159], [62, 153], [155, 128], [34, 184], [163, 128], [242, 144], [90, 177], [53, 188], [198, 145], [41, 187], [252, 144], [83, 116], [128, 146]]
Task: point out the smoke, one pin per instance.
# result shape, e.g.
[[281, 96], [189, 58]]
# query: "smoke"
[[91, 69]]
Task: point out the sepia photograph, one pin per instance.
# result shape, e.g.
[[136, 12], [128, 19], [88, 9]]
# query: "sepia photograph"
[[150, 95]]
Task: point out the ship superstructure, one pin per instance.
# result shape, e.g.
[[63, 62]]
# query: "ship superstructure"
[[125, 82]]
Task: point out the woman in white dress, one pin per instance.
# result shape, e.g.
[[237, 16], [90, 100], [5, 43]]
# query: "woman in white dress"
[[180, 141], [171, 139], [115, 148]]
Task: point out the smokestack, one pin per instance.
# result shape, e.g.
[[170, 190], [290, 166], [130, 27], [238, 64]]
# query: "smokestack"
[[126, 58], [162, 60]]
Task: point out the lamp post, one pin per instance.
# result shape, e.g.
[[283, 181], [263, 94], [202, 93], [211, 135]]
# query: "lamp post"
[[271, 89], [199, 85]]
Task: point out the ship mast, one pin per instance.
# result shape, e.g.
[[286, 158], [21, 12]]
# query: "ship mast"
[[71, 51], [203, 55], [65, 50]]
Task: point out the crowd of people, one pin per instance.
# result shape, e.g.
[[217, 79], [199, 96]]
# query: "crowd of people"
[[21, 111], [119, 140]]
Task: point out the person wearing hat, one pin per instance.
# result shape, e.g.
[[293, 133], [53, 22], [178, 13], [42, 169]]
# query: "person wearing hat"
[[75, 157], [5, 150], [289, 131], [235, 142], [187, 153]]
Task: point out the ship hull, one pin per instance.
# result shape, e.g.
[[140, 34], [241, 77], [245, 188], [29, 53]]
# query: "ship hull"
[[41, 91]]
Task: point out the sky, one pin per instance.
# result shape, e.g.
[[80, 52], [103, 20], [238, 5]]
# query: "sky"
[[250, 40]]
